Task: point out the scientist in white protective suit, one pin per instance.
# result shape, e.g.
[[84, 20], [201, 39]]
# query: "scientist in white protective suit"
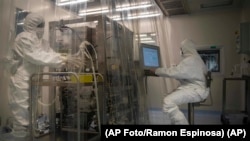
[[30, 54], [191, 73]]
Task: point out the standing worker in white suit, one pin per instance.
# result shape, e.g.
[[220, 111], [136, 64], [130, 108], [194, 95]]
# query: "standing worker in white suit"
[[190, 72], [30, 53]]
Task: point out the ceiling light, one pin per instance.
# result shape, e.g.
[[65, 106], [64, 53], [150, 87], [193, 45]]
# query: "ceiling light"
[[138, 16], [118, 8], [68, 2], [141, 35], [93, 9], [123, 8], [145, 39], [93, 12], [152, 41]]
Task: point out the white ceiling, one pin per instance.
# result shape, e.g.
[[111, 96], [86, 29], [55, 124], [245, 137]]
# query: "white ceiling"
[[172, 7]]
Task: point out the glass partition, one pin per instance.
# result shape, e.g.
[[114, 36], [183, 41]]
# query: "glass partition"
[[108, 87]]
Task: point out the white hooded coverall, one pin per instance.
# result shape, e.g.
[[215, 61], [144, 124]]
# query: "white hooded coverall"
[[190, 72], [31, 52]]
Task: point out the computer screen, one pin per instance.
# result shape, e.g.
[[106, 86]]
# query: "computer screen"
[[150, 56]]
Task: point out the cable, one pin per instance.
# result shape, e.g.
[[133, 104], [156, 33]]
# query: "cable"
[[95, 89], [46, 104], [88, 43], [84, 51], [62, 26]]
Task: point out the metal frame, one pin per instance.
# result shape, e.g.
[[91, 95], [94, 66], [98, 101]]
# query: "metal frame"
[[54, 84]]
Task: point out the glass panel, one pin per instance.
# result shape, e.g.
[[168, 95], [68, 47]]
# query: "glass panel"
[[101, 82]]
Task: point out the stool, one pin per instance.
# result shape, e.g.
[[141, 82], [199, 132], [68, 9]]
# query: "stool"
[[191, 112], [201, 103]]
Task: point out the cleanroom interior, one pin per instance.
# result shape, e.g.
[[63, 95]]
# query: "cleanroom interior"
[[116, 45]]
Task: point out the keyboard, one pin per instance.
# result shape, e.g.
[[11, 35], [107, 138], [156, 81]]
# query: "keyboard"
[[149, 73]]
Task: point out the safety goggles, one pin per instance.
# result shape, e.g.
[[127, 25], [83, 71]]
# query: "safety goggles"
[[41, 25]]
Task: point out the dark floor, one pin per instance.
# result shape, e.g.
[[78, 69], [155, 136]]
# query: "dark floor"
[[67, 136], [156, 116]]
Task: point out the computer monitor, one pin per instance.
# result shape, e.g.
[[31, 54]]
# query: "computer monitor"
[[150, 56]]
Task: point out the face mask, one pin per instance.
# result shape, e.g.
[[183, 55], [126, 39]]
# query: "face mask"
[[39, 32], [181, 53]]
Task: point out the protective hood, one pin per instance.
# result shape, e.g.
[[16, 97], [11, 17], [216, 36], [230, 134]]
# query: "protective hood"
[[188, 48], [32, 21]]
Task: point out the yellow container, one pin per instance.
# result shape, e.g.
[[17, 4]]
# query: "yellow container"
[[86, 78]]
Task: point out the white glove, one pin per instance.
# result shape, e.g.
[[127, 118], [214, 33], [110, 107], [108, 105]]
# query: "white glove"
[[84, 44], [74, 61], [78, 62]]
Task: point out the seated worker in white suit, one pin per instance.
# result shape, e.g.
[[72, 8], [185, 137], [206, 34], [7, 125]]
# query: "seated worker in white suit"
[[190, 72], [31, 53]]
